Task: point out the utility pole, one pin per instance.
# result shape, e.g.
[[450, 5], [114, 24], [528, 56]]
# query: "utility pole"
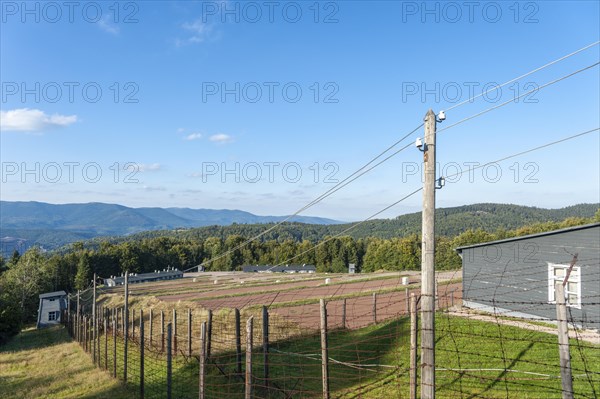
[[428, 262], [563, 334]]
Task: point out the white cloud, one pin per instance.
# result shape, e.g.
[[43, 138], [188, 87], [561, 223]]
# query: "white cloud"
[[107, 25], [149, 167], [193, 136], [154, 188], [198, 32], [221, 138], [32, 120]]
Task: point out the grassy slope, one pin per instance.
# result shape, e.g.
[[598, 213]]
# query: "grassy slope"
[[47, 364]]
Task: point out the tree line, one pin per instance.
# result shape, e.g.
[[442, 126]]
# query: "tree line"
[[24, 277]]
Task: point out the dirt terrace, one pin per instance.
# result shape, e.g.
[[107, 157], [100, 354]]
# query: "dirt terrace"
[[359, 309]]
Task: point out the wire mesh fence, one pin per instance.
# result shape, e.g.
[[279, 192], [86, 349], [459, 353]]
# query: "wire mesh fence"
[[213, 351]]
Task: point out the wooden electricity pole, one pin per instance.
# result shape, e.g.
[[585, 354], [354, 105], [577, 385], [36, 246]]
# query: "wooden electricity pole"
[[428, 262], [563, 334]]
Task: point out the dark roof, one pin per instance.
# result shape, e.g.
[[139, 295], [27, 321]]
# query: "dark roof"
[[546, 233], [52, 294]]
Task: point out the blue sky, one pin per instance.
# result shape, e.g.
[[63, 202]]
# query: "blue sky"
[[261, 106]]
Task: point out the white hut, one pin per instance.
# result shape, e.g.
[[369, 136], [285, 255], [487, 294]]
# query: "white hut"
[[51, 306]]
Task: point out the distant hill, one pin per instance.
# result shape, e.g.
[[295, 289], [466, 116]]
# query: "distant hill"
[[23, 224], [449, 222]]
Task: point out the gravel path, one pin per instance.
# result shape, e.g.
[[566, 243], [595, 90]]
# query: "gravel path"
[[584, 335]]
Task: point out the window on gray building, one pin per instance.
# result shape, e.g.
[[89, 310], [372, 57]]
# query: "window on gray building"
[[557, 273]]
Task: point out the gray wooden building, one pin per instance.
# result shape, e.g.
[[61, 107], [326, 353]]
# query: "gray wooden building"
[[135, 278], [50, 309], [516, 276]]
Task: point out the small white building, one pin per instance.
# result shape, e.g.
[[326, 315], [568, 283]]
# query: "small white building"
[[51, 306], [352, 268]]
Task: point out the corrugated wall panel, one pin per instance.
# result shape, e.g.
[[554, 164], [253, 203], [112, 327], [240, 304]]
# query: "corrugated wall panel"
[[514, 275]]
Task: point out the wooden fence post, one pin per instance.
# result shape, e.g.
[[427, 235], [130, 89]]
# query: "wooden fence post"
[[162, 331], [189, 333], [86, 332], [141, 354], [174, 321], [106, 343], [265, 343], [202, 360], [150, 327], [249, 343], [413, 346], [125, 342], [133, 325], [169, 359], [238, 342], [209, 334], [344, 313], [563, 342], [324, 351], [374, 308], [115, 328]]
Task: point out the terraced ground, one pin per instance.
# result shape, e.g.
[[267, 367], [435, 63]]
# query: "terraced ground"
[[295, 297]]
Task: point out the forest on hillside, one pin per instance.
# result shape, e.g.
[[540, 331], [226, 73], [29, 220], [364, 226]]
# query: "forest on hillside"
[[449, 222]]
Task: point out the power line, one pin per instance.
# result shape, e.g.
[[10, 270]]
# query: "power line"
[[516, 98], [364, 169], [349, 179], [355, 225], [523, 152], [420, 189], [524, 75]]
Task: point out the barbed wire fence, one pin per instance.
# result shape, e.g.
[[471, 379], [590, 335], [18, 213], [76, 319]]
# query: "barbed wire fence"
[[290, 345]]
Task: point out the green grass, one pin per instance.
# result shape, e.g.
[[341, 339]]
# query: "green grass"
[[369, 363], [461, 344], [376, 364], [47, 364]]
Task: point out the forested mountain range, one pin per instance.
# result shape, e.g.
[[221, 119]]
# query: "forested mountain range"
[[52, 226], [449, 222]]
